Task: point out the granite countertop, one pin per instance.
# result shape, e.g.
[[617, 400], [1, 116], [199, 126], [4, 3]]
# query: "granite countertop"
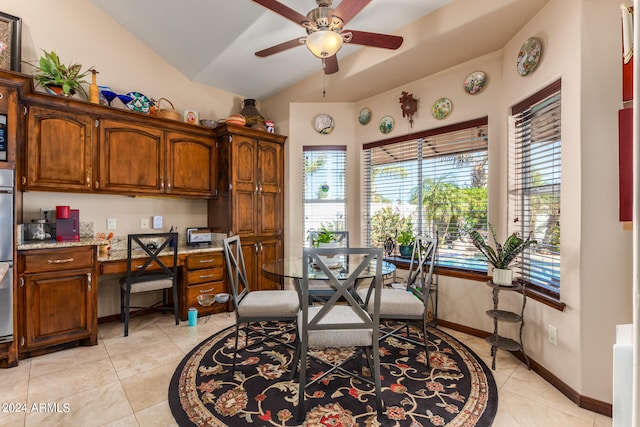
[[114, 254]]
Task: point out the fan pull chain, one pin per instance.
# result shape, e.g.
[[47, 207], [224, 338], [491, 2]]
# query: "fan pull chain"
[[324, 85]]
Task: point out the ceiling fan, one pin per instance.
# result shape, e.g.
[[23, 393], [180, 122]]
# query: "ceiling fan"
[[325, 32]]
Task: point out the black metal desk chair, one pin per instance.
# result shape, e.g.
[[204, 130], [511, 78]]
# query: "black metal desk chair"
[[409, 301], [254, 305], [341, 321], [153, 275], [319, 290]]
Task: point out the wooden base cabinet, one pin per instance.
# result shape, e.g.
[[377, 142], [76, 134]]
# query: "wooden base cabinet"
[[58, 298], [204, 275]]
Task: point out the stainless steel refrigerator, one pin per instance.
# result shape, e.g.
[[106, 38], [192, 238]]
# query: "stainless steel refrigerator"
[[6, 253]]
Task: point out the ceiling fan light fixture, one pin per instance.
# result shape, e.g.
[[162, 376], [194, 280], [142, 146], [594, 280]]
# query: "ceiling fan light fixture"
[[324, 43]]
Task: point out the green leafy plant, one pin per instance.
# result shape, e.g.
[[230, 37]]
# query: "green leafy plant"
[[503, 254], [405, 238], [324, 236], [52, 72]]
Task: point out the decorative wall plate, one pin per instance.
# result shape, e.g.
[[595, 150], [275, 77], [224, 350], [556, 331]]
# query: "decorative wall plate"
[[324, 124], [386, 124], [365, 116], [441, 108], [529, 56], [475, 82]]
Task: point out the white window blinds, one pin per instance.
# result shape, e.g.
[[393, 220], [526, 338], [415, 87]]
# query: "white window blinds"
[[534, 188], [432, 182], [324, 190]]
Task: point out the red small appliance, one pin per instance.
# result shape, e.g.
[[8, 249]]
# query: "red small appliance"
[[68, 229]]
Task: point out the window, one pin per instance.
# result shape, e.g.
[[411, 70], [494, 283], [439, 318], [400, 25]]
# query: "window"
[[430, 182], [534, 187], [324, 190]]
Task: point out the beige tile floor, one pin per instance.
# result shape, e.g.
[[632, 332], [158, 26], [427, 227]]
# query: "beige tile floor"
[[124, 381]]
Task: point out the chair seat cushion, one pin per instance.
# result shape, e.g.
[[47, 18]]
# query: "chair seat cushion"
[[337, 337], [150, 285], [395, 302], [276, 304]]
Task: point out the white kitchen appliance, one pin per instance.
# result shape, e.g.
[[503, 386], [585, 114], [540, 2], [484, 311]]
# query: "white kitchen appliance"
[[6, 254]]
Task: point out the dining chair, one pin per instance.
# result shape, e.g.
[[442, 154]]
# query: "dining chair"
[[408, 301], [156, 273], [341, 321], [255, 305], [319, 290]]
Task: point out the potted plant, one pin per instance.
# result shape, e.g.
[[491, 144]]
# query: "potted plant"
[[324, 237], [503, 254], [58, 78], [405, 243]]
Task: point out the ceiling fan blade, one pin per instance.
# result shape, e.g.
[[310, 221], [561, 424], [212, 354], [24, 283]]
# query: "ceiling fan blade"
[[347, 9], [330, 64], [280, 47], [385, 41], [283, 10]]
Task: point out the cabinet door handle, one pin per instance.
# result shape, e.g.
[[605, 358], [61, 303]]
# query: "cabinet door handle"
[[261, 247], [204, 276], [206, 261], [260, 191], [88, 282], [97, 185], [168, 183], [257, 248], [204, 291], [24, 180], [22, 282], [256, 188], [59, 261], [161, 183], [88, 179]]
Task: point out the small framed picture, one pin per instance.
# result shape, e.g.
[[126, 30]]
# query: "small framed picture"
[[191, 116], [10, 42]]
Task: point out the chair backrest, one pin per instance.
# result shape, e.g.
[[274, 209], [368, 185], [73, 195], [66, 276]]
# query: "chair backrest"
[[236, 270], [342, 237], [153, 245], [423, 259], [344, 281]]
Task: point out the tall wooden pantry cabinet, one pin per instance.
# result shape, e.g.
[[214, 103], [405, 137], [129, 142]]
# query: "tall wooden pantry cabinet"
[[250, 199]]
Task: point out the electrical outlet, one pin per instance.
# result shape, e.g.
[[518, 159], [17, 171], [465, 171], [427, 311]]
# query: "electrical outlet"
[[552, 334], [111, 223], [144, 223], [157, 222]]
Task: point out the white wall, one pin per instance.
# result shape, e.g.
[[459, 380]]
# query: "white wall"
[[581, 41]]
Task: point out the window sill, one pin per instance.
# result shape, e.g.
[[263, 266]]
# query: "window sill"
[[530, 291]]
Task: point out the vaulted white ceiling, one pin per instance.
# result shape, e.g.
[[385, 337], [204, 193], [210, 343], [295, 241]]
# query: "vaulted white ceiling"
[[213, 41]]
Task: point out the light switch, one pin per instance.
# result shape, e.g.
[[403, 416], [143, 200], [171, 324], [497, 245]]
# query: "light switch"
[[157, 222]]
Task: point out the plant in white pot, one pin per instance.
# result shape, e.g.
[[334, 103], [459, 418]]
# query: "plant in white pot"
[[503, 254], [326, 239]]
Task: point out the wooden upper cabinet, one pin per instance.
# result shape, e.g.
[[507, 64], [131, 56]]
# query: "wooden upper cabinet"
[[270, 188], [58, 153], [244, 185], [191, 165], [132, 158], [9, 109]]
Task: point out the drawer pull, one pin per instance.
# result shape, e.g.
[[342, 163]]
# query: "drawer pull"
[[204, 276], [206, 290], [59, 261], [206, 261]]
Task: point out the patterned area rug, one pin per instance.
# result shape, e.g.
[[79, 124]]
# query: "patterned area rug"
[[457, 390]]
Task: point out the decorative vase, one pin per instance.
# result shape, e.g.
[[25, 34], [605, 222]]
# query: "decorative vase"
[[406, 250], [94, 92], [502, 276], [389, 245], [251, 113]]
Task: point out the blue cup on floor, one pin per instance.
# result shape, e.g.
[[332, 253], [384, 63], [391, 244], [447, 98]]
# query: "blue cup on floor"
[[193, 316]]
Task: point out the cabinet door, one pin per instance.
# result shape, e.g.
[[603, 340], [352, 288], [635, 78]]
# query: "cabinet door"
[[58, 155], [269, 251], [8, 107], [244, 186], [132, 158], [191, 160], [250, 255], [270, 188], [58, 308]]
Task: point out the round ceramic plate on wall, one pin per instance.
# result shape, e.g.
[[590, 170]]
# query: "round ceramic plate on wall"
[[475, 82], [386, 124], [324, 124], [441, 108], [365, 116], [529, 56]]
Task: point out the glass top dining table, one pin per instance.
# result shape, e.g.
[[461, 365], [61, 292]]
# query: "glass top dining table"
[[293, 268]]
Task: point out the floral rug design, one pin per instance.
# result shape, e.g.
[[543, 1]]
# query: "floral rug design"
[[456, 390]]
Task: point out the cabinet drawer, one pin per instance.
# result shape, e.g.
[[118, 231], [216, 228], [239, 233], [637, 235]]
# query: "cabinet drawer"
[[120, 266], [205, 275], [207, 260], [58, 259], [210, 288]]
